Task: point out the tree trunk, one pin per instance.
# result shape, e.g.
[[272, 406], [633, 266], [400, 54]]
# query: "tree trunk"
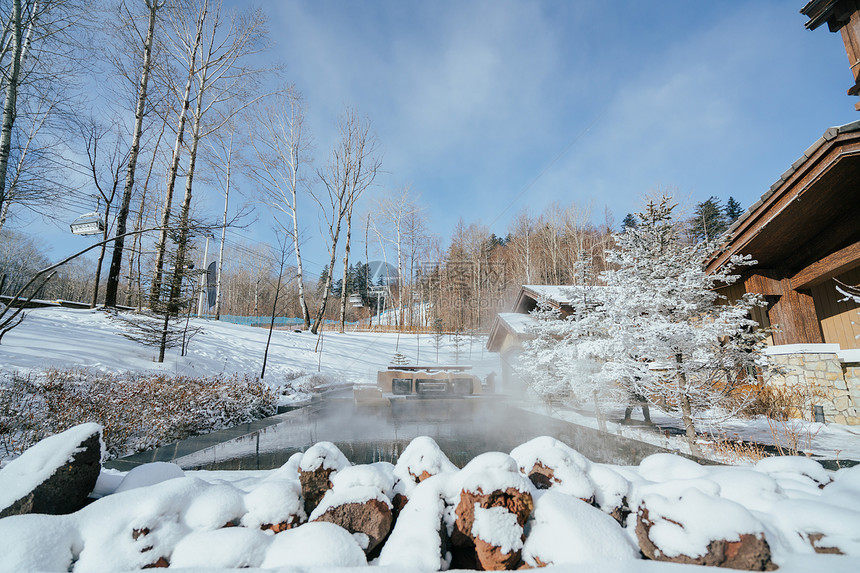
[[686, 409], [343, 294], [155, 291], [138, 224], [95, 300], [122, 216], [10, 107], [185, 212], [224, 237], [327, 285]]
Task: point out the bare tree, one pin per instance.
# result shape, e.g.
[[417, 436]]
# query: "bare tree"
[[228, 41], [39, 63], [104, 168], [351, 169], [280, 147], [153, 7], [189, 46], [394, 212]]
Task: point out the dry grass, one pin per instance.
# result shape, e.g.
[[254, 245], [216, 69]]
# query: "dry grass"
[[735, 450], [137, 411]]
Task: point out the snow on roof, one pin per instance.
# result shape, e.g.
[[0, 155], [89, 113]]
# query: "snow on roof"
[[520, 324], [555, 293]]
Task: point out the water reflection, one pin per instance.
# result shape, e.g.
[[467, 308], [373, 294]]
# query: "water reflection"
[[463, 428]]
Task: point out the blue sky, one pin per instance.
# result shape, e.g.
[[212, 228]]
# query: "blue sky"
[[488, 107]]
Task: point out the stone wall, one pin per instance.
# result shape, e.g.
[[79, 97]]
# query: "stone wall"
[[823, 376]]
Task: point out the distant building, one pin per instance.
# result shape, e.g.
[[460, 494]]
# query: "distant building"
[[511, 329]]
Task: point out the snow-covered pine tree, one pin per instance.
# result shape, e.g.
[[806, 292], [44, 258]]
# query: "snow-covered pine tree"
[[553, 363], [399, 359], [668, 335]]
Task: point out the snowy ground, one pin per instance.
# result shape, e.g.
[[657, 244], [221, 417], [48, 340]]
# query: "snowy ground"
[[194, 505], [67, 338], [158, 513]]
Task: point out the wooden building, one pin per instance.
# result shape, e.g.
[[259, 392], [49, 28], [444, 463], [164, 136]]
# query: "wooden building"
[[803, 233], [511, 329]]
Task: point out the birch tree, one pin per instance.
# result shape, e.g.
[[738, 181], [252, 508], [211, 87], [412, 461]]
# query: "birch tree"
[[146, 42], [106, 158], [39, 62], [352, 167], [280, 145]]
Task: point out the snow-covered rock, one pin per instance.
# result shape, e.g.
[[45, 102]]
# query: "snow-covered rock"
[[421, 459], [316, 544], [700, 529], [566, 531], [149, 474], [316, 467], [55, 476]]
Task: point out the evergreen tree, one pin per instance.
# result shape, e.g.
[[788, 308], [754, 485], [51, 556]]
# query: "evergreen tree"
[[666, 335], [732, 210], [629, 222], [322, 281], [709, 221]]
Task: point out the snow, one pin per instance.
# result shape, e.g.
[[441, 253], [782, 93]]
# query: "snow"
[[315, 544], [272, 502], [566, 530], [67, 338], [378, 476], [20, 476], [520, 324], [190, 519], [421, 455], [685, 526], [325, 455], [149, 474], [415, 542], [498, 526], [231, 547]]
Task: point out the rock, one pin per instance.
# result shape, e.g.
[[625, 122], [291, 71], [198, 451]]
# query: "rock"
[[314, 486], [161, 563], [464, 548], [399, 502], [750, 552], [498, 539], [61, 472], [542, 476], [283, 525], [316, 467], [492, 558], [815, 541], [372, 518]]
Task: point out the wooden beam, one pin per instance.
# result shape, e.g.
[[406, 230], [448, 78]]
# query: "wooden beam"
[[795, 314], [830, 266], [762, 283]]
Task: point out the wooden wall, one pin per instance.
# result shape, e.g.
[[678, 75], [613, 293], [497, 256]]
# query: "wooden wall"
[[840, 321], [735, 292]]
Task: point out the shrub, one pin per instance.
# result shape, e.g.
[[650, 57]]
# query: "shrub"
[[137, 411]]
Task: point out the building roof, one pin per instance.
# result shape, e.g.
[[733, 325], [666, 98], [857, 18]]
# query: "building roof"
[[507, 324], [789, 228]]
